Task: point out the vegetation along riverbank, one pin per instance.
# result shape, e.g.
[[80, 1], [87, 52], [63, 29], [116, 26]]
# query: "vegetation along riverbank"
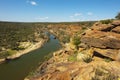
[[17, 39]]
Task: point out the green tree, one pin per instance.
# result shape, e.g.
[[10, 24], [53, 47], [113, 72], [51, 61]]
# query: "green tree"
[[118, 16]]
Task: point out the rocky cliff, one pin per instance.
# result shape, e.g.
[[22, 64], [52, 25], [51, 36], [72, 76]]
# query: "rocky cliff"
[[105, 38], [97, 57]]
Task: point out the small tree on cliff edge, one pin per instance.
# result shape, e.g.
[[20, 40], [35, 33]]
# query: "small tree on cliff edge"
[[118, 16]]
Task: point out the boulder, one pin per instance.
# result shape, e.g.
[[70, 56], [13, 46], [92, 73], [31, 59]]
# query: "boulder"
[[101, 39], [107, 53], [62, 76], [116, 23], [102, 27], [116, 29]]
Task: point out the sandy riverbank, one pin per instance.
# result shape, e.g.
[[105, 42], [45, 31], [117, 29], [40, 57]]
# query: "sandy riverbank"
[[32, 47]]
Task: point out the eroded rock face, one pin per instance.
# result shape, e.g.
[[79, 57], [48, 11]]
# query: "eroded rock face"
[[82, 71], [116, 23], [116, 30], [105, 38], [110, 53], [101, 39], [102, 27]]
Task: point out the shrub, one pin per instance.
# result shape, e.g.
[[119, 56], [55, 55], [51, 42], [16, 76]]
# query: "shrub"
[[107, 59], [11, 52], [66, 39], [82, 56], [106, 21], [87, 59], [3, 54], [73, 57], [85, 55], [76, 40]]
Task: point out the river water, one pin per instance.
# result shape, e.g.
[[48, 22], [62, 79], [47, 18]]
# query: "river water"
[[18, 69]]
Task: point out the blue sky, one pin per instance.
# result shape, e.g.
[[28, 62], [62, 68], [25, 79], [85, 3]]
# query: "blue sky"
[[57, 10]]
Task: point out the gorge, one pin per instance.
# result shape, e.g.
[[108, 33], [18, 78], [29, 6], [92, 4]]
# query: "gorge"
[[19, 68]]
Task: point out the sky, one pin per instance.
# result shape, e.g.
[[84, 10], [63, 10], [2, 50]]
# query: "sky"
[[57, 10]]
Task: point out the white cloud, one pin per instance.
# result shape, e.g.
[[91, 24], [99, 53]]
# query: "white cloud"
[[42, 18], [32, 2], [90, 13], [81, 16], [77, 14]]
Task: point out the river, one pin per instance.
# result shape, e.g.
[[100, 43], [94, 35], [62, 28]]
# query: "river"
[[18, 69]]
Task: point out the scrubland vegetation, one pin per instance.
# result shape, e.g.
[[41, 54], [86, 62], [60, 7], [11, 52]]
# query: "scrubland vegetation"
[[13, 35]]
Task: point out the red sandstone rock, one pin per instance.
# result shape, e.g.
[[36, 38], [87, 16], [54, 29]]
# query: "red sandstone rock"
[[102, 39], [116, 23], [116, 30]]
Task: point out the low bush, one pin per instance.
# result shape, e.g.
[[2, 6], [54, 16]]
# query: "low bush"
[[11, 52], [87, 59], [73, 57], [76, 40], [106, 21]]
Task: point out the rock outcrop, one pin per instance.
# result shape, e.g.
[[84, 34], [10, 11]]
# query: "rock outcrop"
[[67, 70], [116, 23], [102, 27], [102, 39], [116, 30], [105, 38]]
